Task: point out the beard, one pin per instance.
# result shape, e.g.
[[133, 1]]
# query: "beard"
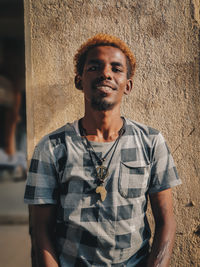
[[101, 104]]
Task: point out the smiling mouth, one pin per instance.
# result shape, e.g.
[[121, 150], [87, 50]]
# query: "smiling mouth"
[[104, 88]]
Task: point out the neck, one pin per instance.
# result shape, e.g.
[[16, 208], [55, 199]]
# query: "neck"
[[102, 126]]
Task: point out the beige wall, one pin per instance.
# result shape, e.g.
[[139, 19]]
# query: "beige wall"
[[164, 37]]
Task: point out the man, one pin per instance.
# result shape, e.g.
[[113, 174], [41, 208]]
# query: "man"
[[89, 180]]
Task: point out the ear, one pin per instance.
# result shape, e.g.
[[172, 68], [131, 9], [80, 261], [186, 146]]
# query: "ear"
[[129, 86], [77, 81]]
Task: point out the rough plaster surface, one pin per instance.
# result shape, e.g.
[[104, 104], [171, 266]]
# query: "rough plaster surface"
[[164, 37]]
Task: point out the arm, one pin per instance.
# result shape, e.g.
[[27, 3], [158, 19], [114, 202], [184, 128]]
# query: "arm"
[[165, 228], [43, 224]]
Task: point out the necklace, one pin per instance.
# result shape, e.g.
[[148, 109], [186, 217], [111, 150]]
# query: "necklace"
[[101, 169]]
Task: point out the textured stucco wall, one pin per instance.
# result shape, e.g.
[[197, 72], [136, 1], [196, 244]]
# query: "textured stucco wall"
[[164, 37]]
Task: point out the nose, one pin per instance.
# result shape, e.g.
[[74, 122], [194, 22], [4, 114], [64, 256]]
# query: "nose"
[[106, 73]]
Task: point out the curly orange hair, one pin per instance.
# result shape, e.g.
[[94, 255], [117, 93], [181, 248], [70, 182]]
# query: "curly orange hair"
[[103, 39]]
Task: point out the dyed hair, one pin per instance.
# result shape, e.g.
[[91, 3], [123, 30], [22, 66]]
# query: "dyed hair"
[[103, 40]]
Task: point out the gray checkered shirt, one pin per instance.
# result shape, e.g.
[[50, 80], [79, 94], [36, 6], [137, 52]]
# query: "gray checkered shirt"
[[90, 232]]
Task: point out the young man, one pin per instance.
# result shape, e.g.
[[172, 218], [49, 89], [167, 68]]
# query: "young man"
[[89, 180]]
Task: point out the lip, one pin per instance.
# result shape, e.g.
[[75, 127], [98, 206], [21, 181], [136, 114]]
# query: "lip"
[[104, 87]]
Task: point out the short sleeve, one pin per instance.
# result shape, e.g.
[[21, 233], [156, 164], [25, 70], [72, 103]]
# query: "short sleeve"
[[163, 171], [41, 185]]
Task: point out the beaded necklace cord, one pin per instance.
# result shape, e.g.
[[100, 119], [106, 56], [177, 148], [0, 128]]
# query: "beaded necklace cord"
[[101, 170]]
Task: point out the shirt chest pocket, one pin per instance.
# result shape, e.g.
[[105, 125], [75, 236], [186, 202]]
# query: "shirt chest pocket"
[[133, 179]]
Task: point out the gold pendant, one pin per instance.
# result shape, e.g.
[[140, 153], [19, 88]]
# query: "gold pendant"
[[102, 191]]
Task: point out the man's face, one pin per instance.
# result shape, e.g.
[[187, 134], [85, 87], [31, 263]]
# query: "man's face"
[[104, 79]]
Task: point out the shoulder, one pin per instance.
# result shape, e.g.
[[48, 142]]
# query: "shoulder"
[[141, 127], [51, 138], [57, 136], [143, 131], [147, 138], [55, 142]]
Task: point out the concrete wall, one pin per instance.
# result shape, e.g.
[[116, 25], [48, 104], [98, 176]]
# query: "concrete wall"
[[164, 37]]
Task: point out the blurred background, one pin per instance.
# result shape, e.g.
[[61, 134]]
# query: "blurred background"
[[14, 241]]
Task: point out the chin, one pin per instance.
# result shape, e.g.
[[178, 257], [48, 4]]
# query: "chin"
[[101, 105]]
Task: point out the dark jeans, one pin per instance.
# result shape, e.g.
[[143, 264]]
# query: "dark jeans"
[[143, 263]]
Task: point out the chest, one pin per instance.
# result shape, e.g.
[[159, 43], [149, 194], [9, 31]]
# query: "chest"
[[128, 171]]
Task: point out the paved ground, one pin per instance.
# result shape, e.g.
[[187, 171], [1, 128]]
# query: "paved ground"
[[11, 199], [14, 246], [14, 237]]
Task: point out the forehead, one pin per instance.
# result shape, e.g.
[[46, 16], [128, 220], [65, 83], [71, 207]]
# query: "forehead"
[[106, 53]]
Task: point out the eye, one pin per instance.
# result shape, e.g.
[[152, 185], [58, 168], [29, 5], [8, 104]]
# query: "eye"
[[117, 69], [92, 68]]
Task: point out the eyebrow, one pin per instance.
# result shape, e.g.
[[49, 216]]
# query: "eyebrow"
[[97, 61]]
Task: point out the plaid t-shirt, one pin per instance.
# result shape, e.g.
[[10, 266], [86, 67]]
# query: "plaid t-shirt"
[[91, 232]]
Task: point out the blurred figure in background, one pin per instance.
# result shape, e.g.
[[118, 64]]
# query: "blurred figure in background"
[[12, 111]]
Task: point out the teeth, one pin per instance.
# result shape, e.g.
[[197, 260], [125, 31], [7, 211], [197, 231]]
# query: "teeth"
[[104, 87]]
